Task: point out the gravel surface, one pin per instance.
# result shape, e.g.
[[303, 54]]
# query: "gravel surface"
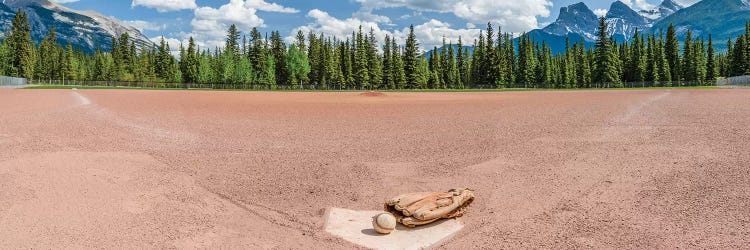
[[213, 169]]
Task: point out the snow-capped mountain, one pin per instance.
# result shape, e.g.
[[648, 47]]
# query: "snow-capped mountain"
[[622, 21], [577, 22], [86, 30], [574, 19], [665, 9]]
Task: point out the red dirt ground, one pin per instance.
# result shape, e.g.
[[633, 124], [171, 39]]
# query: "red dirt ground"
[[373, 94], [184, 169]]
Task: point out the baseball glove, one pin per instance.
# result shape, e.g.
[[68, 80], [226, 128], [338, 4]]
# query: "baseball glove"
[[416, 209]]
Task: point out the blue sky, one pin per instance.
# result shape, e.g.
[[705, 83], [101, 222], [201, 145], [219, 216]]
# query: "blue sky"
[[206, 20]]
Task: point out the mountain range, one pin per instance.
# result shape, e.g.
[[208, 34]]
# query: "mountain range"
[[578, 22], [723, 19], [85, 30], [88, 30]]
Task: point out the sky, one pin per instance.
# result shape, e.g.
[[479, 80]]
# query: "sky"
[[433, 20]]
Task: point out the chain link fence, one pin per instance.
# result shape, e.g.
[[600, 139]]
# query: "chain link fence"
[[219, 86], [16, 82], [12, 82], [735, 82], [599, 85]]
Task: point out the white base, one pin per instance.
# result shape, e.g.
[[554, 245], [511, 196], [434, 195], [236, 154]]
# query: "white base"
[[356, 227]]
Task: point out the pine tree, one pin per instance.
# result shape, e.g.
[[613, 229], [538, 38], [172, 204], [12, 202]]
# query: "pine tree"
[[232, 45], [605, 70], [267, 75], [545, 66], [47, 58], [6, 57], [331, 65], [258, 54], [361, 64], [388, 81], [423, 73], [510, 58], [375, 64], [278, 50], [688, 65], [672, 51], [347, 65], [411, 60], [314, 56], [700, 62], [489, 65], [711, 68], [585, 64], [461, 65], [398, 69], [739, 57], [568, 69], [123, 57], [163, 60], [339, 65], [618, 64], [102, 64], [69, 64], [501, 61], [452, 76], [433, 81], [477, 76], [637, 59], [665, 72], [443, 61], [652, 68], [22, 47], [189, 63], [527, 62]]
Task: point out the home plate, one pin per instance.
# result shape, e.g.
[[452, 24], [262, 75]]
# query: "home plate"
[[356, 227]]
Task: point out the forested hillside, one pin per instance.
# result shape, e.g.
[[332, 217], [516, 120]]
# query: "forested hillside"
[[362, 62]]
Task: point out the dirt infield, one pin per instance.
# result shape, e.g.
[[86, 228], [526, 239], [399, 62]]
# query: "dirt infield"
[[194, 169]]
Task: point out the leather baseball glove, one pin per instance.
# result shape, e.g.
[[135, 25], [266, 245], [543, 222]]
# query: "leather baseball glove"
[[414, 209]]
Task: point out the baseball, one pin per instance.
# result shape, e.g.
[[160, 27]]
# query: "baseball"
[[384, 223]]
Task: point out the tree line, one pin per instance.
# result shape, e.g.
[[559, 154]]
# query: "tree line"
[[498, 60]]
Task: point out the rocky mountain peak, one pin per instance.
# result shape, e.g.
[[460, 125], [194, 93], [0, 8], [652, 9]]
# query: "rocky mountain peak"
[[85, 30]]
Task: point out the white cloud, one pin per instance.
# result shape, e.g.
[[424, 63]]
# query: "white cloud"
[[64, 1], [600, 12], [341, 28], [271, 7], [370, 17], [166, 5], [513, 15], [210, 24], [145, 25], [638, 4], [429, 34]]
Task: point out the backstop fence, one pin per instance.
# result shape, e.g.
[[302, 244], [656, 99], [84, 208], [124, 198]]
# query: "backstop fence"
[[12, 82], [734, 82], [313, 87]]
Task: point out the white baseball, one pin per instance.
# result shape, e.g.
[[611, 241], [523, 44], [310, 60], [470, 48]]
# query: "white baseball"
[[384, 223]]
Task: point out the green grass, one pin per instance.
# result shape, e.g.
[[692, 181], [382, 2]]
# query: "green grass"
[[403, 90]]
